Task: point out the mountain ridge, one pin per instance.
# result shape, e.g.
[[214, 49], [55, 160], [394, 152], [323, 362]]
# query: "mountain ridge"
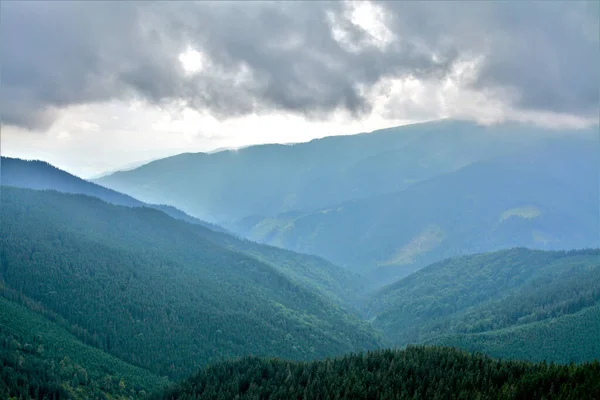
[[320, 173]]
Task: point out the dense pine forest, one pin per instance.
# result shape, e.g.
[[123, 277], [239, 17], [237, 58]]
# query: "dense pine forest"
[[41, 359], [526, 300], [150, 290], [413, 373]]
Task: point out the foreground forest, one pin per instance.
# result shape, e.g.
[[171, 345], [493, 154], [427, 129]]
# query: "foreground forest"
[[413, 373]]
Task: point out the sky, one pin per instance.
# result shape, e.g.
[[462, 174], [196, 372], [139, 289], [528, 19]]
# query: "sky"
[[96, 86]]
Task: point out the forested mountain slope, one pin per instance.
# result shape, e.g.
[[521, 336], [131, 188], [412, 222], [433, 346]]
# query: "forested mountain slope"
[[267, 180], [40, 359], [153, 291], [563, 339], [336, 282], [514, 303], [544, 197], [413, 373], [340, 284]]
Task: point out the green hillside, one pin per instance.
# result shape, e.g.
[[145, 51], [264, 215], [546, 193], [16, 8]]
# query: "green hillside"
[[565, 339], [41, 359], [413, 373], [338, 283], [154, 292], [509, 295]]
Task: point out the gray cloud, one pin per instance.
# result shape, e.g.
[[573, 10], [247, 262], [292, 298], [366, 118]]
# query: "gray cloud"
[[285, 56]]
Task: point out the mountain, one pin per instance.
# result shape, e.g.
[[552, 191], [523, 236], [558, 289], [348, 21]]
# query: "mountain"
[[387, 203], [515, 303], [542, 197], [266, 180], [413, 373], [338, 283], [40, 359], [41, 175], [155, 292]]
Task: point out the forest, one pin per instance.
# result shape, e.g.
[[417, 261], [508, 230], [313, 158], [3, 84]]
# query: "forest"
[[41, 359], [482, 299], [413, 373], [145, 288], [299, 200]]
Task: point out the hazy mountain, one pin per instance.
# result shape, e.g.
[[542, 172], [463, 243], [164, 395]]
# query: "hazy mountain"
[[545, 197], [266, 180], [515, 303], [34, 174], [413, 373], [40, 175], [155, 292]]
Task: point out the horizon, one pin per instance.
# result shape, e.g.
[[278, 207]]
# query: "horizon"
[[205, 78], [98, 174]]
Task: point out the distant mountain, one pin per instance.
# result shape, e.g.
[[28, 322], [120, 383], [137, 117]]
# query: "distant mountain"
[[125, 167], [41, 175], [517, 303], [161, 293], [40, 359], [544, 197], [413, 373], [267, 180]]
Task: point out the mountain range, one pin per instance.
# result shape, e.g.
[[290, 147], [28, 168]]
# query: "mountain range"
[[387, 203], [107, 296]]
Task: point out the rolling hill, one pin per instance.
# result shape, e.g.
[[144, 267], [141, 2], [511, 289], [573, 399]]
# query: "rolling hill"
[[515, 303], [153, 291]]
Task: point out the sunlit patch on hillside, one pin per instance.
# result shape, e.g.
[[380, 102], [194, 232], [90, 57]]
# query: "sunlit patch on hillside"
[[272, 230], [328, 210], [427, 240], [527, 212], [541, 237]]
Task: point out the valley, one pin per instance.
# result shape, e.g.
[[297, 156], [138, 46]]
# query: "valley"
[[108, 296], [300, 200]]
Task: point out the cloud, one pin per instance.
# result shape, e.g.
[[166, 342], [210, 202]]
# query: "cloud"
[[307, 58]]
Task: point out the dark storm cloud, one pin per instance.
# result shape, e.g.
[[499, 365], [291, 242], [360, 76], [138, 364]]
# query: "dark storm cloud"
[[285, 56], [547, 53]]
